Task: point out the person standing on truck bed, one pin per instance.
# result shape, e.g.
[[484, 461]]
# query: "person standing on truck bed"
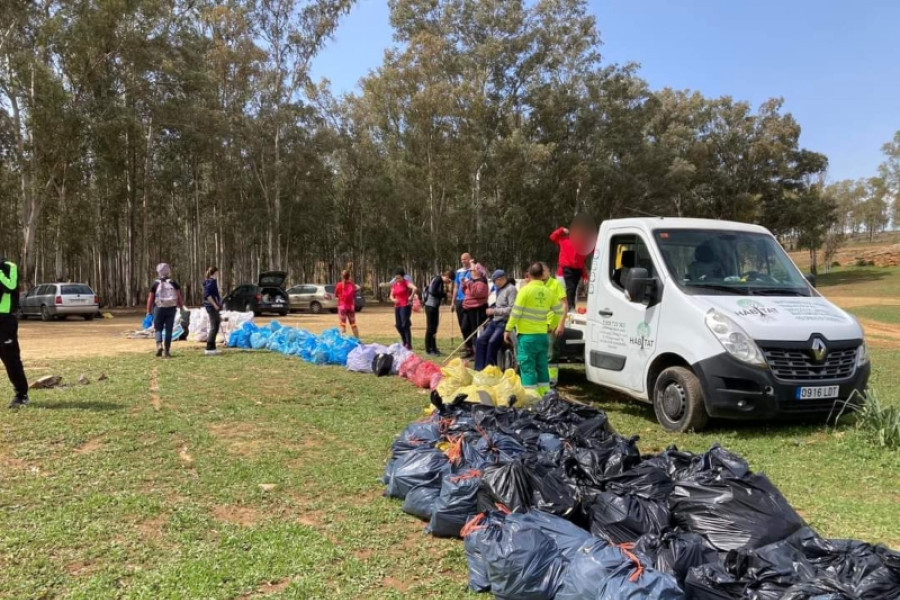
[[9, 332], [574, 248], [529, 319]]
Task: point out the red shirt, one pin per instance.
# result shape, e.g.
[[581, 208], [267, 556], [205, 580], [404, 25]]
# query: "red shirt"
[[476, 293], [346, 296], [568, 256], [401, 292]]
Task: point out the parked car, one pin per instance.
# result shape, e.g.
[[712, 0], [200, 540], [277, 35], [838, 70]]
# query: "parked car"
[[58, 300], [315, 298], [267, 295]]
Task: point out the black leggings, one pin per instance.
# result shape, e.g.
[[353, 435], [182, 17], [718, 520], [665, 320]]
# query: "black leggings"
[[432, 322], [472, 318], [572, 277], [9, 353], [215, 320], [402, 315]]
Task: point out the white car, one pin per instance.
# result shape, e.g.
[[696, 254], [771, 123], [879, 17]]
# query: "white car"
[[51, 301]]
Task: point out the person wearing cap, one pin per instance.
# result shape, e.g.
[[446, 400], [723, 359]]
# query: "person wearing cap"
[[488, 345], [475, 297], [401, 295], [163, 302]]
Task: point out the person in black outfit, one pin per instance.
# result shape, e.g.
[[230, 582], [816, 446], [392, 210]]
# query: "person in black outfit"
[[434, 297], [9, 332]]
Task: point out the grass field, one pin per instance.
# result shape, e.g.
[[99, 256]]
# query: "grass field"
[[255, 475]]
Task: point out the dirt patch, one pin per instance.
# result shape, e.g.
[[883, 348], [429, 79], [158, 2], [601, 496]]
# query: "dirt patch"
[[184, 456], [237, 515], [241, 439], [80, 568], [881, 335], [268, 588], [90, 446], [154, 389], [11, 463], [395, 584], [152, 529]]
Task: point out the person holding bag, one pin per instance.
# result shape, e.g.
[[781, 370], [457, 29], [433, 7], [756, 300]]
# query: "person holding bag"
[[163, 302]]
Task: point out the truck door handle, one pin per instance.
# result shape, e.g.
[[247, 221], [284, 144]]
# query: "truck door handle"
[[605, 312]]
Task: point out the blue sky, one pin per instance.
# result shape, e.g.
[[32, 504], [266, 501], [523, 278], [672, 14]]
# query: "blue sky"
[[836, 63]]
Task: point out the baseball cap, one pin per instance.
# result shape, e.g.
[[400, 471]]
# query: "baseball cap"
[[498, 274]]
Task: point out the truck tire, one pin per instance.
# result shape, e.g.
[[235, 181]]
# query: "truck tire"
[[678, 400]]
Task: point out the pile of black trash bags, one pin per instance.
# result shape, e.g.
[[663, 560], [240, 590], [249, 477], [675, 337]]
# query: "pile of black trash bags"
[[552, 503]]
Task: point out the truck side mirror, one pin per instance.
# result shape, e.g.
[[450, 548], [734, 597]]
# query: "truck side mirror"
[[640, 287], [811, 278]]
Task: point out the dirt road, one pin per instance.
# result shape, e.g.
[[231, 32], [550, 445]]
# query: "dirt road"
[[108, 337]]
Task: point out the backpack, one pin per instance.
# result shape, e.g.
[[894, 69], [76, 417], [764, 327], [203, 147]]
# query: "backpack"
[[166, 295]]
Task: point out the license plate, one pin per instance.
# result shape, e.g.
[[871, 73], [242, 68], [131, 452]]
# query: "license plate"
[[77, 300], [818, 393]]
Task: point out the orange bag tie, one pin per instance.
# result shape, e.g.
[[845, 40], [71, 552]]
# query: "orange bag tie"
[[472, 525], [470, 474], [627, 548], [502, 508], [455, 451]]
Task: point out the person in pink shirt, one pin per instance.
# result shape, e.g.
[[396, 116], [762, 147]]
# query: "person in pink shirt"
[[475, 301], [345, 291], [401, 295]]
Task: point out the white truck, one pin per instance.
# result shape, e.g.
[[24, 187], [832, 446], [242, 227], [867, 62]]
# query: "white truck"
[[705, 318]]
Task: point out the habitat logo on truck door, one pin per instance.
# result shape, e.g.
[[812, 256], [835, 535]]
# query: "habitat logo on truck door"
[[753, 309], [642, 338]]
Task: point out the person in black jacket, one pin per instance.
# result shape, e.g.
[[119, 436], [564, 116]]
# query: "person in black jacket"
[[9, 332], [434, 297]]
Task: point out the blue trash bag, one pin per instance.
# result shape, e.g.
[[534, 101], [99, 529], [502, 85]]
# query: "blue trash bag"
[[475, 534], [499, 448], [568, 536], [421, 499], [398, 449], [148, 322], [599, 571], [424, 431], [416, 467], [274, 325], [456, 504], [522, 561], [259, 339], [240, 338]]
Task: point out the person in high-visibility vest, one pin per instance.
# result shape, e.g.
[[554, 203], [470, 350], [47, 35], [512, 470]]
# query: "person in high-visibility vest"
[[529, 319], [9, 332], [555, 326]]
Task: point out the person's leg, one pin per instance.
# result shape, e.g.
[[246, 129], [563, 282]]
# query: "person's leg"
[[495, 341], [571, 279], [398, 322], [553, 357], [481, 347], [407, 326], [465, 327], [342, 320], [158, 326], [215, 320], [525, 357], [169, 325], [12, 358], [351, 317], [541, 367], [460, 316], [430, 328]]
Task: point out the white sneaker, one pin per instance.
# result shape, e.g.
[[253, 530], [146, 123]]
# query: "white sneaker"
[[213, 352]]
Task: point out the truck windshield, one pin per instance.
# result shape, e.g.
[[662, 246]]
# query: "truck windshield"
[[708, 261]]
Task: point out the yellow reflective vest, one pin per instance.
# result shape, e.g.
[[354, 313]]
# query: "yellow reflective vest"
[[533, 303]]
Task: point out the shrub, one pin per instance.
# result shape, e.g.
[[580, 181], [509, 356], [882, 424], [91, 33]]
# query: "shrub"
[[877, 420]]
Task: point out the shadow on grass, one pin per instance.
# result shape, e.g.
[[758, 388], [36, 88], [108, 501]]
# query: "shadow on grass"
[[860, 275], [573, 385], [75, 405]]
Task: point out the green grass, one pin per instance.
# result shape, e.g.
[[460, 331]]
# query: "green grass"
[[114, 490], [884, 313], [877, 282]]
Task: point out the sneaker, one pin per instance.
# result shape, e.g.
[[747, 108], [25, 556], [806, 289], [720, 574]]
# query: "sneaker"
[[18, 402], [159, 352], [166, 354], [213, 352]]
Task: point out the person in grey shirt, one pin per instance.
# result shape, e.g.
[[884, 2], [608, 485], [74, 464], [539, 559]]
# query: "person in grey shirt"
[[435, 293], [491, 339]]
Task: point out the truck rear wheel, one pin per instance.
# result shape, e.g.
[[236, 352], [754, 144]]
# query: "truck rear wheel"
[[678, 400]]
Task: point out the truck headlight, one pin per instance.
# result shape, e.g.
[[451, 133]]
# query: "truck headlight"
[[862, 355], [734, 339]]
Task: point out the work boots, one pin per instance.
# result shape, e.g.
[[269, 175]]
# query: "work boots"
[[19, 401]]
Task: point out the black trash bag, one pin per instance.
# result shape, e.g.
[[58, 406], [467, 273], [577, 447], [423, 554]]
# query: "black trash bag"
[[523, 562], [421, 431], [508, 484], [773, 568], [593, 465], [733, 514], [823, 588], [552, 490], [881, 584], [645, 480], [678, 464], [567, 536], [382, 364], [475, 534], [414, 468], [720, 461], [676, 552], [499, 447], [624, 518], [713, 582], [594, 429], [599, 571], [472, 458], [455, 505], [549, 443], [872, 571], [398, 449], [420, 500]]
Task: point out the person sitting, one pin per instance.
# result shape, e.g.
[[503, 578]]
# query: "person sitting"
[[620, 275], [706, 265], [491, 339]]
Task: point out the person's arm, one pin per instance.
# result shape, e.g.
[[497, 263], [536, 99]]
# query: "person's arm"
[[11, 281], [515, 314], [503, 311], [413, 290], [151, 298], [557, 236]]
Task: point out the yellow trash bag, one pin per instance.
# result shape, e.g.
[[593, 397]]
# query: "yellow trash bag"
[[456, 375], [487, 377], [476, 394], [511, 385]]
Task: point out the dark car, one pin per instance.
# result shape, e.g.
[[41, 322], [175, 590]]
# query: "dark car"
[[267, 295]]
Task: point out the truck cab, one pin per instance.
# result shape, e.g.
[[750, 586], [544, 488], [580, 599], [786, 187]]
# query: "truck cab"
[[705, 318]]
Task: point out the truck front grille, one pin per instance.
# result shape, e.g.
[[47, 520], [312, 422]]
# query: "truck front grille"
[[798, 365]]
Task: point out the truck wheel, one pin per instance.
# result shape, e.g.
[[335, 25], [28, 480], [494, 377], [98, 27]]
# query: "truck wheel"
[[678, 400]]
